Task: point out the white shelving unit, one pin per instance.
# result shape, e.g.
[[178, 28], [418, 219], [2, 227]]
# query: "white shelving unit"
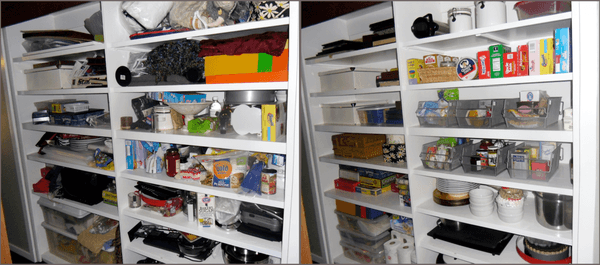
[[117, 100], [582, 98]]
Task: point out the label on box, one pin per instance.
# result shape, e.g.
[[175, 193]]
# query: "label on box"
[[402, 224], [522, 60], [546, 56], [433, 60], [496, 56], [562, 51], [273, 121], [510, 64], [377, 183], [520, 161], [412, 66], [206, 210], [533, 95], [483, 64], [534, 57]]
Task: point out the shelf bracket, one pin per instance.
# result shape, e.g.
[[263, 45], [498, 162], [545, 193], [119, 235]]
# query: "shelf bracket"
[[494, 38]]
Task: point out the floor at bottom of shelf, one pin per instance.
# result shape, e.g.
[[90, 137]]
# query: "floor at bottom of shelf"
[[169, 257], [53, 259], [508, 255], [341, 259]]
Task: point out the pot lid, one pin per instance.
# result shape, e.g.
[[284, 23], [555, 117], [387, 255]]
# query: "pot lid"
[[242, 253]]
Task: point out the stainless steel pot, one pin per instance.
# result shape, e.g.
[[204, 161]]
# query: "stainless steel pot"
[[237, 255], [554, 211], [453, 225], [250, 97]]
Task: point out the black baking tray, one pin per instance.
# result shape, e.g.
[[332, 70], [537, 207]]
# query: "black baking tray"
[[475, 237]]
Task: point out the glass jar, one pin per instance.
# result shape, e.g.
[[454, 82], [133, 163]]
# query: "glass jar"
[[161, 119], [172, 162]]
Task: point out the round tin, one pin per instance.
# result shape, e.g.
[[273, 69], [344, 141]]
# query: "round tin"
[[268, 181], [467, 69]]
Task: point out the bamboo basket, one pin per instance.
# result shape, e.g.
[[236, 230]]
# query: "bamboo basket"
[[437, 74]]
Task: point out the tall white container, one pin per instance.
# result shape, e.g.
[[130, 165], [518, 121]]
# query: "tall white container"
[[489, 13], [459, 19], [349, 78]]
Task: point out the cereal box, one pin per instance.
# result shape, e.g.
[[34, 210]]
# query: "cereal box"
[[433, 60], [546, 56], [206, 210], [562, 51], [483, 64], [402, 224], [273, 121], [413, 75], [522, 60], [496, 58], [534, 57], [510, 64]]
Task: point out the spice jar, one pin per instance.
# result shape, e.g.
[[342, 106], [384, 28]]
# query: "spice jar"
[[161, 120], [492, 156], [172, 162]]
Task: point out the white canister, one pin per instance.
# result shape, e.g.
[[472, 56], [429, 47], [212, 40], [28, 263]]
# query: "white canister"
[[459, 19], [489, 13], [161, 120]]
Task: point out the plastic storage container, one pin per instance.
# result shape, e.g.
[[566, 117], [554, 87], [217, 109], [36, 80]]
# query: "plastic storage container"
[[375, 115], [371, 243], [394, 116], [433, 116], [66, 246], [369, 227], [513, 121], [531, 9], [79, 106], [65, 217], [362, 255], [351, 145], [483, 113], [345, 113], [349, 78], [448, 161], [521, 166], [43, 79], [75, 119], [470, 150]]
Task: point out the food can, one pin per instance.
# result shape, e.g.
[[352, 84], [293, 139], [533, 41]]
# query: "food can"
[[467, 69], [269, 181]]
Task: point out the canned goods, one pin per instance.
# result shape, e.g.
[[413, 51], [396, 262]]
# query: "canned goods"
[[269, 181], [492, 156]]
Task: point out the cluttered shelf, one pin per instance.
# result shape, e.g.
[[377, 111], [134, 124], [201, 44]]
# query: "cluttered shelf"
[[72, 91], [274, 200], [555, 132], [509, 255], [103, 131], [384, 52], [527, 226], [374, 163], [70, 162], [534, 28], [101, 208], [61, 52], [361, 128], [483, 83], [205, 87], [169, 257], [179, 222], [388, 202]]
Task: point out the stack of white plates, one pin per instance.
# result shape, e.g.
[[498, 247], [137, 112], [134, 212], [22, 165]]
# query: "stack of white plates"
[[81, 144], [63, 142], [455, 186]]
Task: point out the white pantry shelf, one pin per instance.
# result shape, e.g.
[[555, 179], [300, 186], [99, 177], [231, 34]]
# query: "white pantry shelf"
[[61, 52], [66, 91], [388, 202], [377, 129], [483, 83], [372, 90], [205, 87], [169, 257], [374, 163], [103, 131], [385, 51], [101, 208], [554, 133], [70, 163]]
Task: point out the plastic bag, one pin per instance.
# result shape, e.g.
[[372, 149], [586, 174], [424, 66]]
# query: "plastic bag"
[[103, 225], [227, 210], [252, 181], [142, 15], [226, 170], [137, 63]]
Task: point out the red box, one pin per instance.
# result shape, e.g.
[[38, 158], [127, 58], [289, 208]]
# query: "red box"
[[395, 187], [483, 64], [45, 171], [522, 60], [539, 170], [510, 64], [346, 184]]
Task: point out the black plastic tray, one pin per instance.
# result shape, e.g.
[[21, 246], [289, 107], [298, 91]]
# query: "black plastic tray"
[[475, 237]]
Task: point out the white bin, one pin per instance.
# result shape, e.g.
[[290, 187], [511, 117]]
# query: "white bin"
[[349, 78], [48, 79], [345, 113]]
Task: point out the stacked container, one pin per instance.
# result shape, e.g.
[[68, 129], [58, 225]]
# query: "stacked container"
[[363, 239]]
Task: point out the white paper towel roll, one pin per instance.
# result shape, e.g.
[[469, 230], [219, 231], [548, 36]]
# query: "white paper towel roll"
[[404, 253], [391, 247], [403, 237]]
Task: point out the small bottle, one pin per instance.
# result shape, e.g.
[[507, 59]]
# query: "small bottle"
[[215, 107], [172, 162]]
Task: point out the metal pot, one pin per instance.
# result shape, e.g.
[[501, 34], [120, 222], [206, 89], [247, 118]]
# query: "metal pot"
[[554, 211], [237, 255], [452, 225], [250, 97]]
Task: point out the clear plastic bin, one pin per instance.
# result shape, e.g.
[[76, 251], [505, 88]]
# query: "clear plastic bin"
[[67, 247], [374, 115], [364, 241], [369, 227], [449, 161], [437, 117], [501, 161], [520, 166], [361, 255], [466, 107], [531, 9], [550, 118], [65, 217]]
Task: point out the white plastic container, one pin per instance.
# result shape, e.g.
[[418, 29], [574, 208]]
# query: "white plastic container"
[[459, 19], [349, 78], [344, 113], [79, 106], [489, 13], [48, 79], [65, 217]]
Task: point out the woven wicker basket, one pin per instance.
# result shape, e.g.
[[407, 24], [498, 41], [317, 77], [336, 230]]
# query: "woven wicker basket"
[[437, 74]]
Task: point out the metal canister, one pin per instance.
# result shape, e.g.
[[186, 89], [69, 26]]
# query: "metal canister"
[[268, 181], [492, 156]]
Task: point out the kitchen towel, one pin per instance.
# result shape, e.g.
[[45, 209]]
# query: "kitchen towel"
[[391, 247]]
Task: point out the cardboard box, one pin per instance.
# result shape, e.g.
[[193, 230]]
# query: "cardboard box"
[[402, 224], [547, 56], [510, 64], [206, 210], [394, 153], [534, 57], [377, 182], [522, 60], [562, 51], [496, 60], [412, 66], [273, 121], [357, 210], [483, 64], [433, 60], [275, 76], [345, 184], [373, 191], [349, 173]]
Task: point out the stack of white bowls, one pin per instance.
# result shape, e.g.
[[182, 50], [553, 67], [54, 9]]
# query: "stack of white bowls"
[[481, 202], [510, 210]]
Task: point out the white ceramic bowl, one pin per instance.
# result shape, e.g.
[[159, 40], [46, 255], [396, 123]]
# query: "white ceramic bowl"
[[510, 218], [480, 201], [481, 211], [490, 203], [510, 211], [481, 194]]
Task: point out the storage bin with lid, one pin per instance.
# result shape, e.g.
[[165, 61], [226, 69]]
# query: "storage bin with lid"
[[470, 150], [364, 241], [531, 9], [43, 79], [489, 13], [354, 145], [349, 78], [447, 160], [535, 121], [522, 166], [479, 113], [79, 106], [65, 217], [362, 255], [433, 114], [459, 19], [65, 246], [346, 113], [370, 227]]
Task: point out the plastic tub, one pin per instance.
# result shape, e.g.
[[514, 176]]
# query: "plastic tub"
[[375, 115], [361, 255], [369, 227], [345, 113], [65, 246], [531, 9], [394, 116], [432, 116], [349, 78], [65, 217], [360, 240], [79, 106], [519, 164], [515, 122], [470, 151], [448, 161], [466, 108]]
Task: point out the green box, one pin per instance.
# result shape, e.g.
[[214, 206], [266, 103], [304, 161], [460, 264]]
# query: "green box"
[[496, 62]]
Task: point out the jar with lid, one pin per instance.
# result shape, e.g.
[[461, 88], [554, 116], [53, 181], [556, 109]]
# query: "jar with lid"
[[459, 19], [492, 156], [172, 162], [161, 119], [215, 107]]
